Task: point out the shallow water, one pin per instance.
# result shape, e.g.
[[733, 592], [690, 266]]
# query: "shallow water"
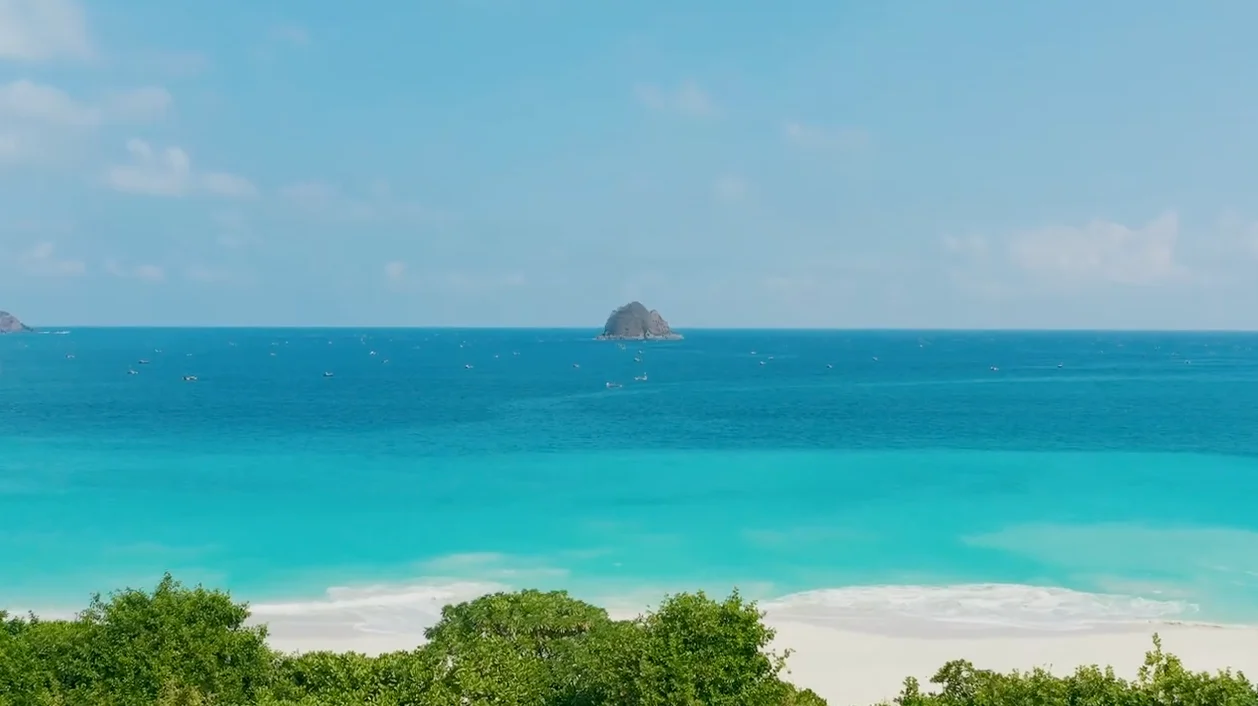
[[895, 465]]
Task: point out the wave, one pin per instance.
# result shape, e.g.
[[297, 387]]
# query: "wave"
[[384, 617], [976, 606], [382, 610]]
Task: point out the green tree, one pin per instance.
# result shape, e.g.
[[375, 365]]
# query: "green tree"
[[1162, 681], [693, 651], [172, 643], [512, 648], [178, 646]]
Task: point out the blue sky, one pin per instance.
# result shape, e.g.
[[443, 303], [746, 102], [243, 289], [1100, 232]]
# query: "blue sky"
[[536, 163]]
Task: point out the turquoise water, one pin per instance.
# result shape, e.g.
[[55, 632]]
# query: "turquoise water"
[[1123, 464]]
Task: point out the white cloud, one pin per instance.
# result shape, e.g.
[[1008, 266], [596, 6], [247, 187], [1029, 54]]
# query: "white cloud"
[[41, 30], [327, 202], [28, 101], [687, 99], [234, 231], [730, 189], [42, 123], [292, 34], [138, 105], [1240, 233], [972, 245], [147, 273], [207, 275], [395, 271], [10, 148], [843, 139], [169, 173], [41, 260], [231, 185], [1100, 252], [25, 99]]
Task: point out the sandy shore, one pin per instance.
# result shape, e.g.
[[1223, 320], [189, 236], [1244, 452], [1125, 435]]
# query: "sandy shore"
[[859, 663], [851, 668]]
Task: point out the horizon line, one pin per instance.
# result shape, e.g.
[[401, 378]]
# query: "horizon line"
[[704, 329]]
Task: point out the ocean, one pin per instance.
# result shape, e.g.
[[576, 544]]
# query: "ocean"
[[1014, 478]]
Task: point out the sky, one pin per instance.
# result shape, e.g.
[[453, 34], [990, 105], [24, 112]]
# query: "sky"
[[819, 163]]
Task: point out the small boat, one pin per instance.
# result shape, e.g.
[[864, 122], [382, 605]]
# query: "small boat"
[[69, 356], [327, 373], [994, 369], [132, 371], [189, 378], [576, 365], [613, 385], [640, 378], [467, 366], [142, 361], [829, 365]]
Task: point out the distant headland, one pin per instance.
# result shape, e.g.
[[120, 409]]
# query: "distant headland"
[[634, 322], [10, 324]]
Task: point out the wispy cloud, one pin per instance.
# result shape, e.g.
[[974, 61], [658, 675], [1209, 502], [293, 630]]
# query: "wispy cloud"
[[42, 260], [25, 101], [169, 173], [1102, 250], [1099, 252], [687, 99], [395, 271], [730, 189], [43, 30], [12, 148], [144, 272], [230, 185], [325, 202], [1072, 259], [814, 137], [292, 34]]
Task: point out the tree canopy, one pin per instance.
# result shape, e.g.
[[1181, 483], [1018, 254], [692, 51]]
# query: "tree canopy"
[[180, 646]]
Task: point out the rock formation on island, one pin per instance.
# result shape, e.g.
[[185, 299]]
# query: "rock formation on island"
[[10, 324], [635, 322]]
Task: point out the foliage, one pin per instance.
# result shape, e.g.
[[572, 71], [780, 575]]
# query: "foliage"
[[1162, 681], [179, 646]]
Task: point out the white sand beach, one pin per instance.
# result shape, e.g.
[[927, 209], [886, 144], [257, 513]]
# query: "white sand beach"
[[849, 658], [850, 668]]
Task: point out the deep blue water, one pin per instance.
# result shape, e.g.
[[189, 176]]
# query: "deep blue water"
[[1101, 462]]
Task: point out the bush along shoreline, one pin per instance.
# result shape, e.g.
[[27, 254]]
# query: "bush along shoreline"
[[181, 646]]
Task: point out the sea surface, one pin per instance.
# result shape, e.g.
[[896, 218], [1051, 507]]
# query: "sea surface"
[[1051, 479]]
